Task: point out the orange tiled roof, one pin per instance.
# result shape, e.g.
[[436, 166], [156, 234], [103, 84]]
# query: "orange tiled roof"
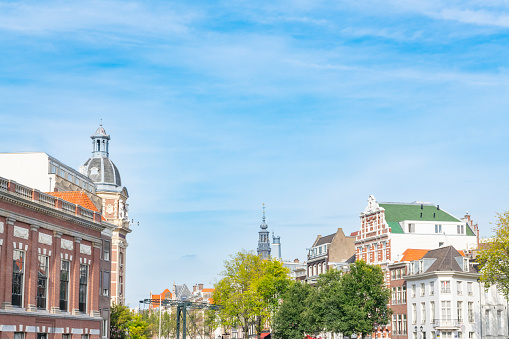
[[354, 234], [78, 198], [411, 254], [208, 290]]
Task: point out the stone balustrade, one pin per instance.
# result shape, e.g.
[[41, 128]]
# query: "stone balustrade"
[[47, 200]]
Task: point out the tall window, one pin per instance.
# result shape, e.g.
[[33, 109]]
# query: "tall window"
[[446, 310], [394, 324], [411, 228], [488, 322], [445, 286], [399, 323], [459, 288], [422, 289], [42, 281], [83, 288], [121, 284], [459, 307], [106, 250], [393, 295], [438, 228], [105, 283], [414, 314], [403, 294], [432, 311], [500, 323], [404, 324], [18, 269], [431, 288], [470, 312], [470, 288], [423, 313], [64, 284], [413, 291], [399, 295]]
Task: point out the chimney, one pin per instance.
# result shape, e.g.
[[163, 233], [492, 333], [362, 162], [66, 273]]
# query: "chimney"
[[296, 260], [422, 206], [194, 288], [200, 287], [438, 207]]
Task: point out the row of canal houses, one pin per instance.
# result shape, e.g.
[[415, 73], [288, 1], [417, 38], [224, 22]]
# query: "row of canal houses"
[[428, 256]]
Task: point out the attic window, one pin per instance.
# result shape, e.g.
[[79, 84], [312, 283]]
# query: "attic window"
[[421, 215], [433, 215], [465, 264]]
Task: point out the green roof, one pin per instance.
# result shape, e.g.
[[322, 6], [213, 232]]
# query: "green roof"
[[400, 212], [395, 213]]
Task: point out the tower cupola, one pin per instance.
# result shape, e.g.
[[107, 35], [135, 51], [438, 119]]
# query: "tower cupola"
[[100, 143]]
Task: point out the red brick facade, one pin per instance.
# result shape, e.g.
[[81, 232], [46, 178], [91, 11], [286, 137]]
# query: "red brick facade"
[[49, 234]]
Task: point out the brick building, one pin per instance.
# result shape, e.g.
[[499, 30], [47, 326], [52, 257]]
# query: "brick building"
[[398, 287], [52, 256]]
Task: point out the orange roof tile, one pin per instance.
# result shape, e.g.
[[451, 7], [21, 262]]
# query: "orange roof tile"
[[78, 198], [354, 234], [208, 290], [411, 254]]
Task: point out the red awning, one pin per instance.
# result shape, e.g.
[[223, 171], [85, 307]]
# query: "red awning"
[[263, 335]]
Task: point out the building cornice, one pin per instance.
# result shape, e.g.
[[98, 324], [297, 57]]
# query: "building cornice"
[[442, 273]]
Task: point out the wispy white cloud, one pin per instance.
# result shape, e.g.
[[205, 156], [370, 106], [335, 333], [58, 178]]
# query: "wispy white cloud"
[[94, 16]]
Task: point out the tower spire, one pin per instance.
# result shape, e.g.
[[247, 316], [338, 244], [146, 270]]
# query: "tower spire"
[[263, 238]]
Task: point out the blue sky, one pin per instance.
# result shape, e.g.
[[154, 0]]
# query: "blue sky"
[[307, 106]]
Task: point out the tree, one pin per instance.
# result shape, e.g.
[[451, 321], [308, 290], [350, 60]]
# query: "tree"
[[290, 320], [325, 307], [494, 260], [125, 324], [249, 290], [364, 297], [120, 318]]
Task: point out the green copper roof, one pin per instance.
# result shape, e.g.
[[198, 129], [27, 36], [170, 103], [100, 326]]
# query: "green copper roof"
[[395, 213]]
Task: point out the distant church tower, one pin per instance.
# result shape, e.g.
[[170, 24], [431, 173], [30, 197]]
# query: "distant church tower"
[[263, 239], [106, 177]]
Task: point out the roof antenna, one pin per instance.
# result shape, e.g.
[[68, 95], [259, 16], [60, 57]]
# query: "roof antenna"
[[263, 218], [101, 122]]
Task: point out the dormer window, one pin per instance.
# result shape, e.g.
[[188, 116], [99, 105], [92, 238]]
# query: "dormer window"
[[465, 264], [421, 266]]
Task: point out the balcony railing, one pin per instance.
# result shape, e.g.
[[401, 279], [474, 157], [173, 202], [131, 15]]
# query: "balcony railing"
[[446, 323]]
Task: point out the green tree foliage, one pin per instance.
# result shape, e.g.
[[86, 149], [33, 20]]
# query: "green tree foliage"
[[364, 297], [494, 260], [250, 290], [353, 302], [120, 318], [125, 324], [290, 320]]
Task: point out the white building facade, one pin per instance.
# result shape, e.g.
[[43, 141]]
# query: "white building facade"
[[446, 300]]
